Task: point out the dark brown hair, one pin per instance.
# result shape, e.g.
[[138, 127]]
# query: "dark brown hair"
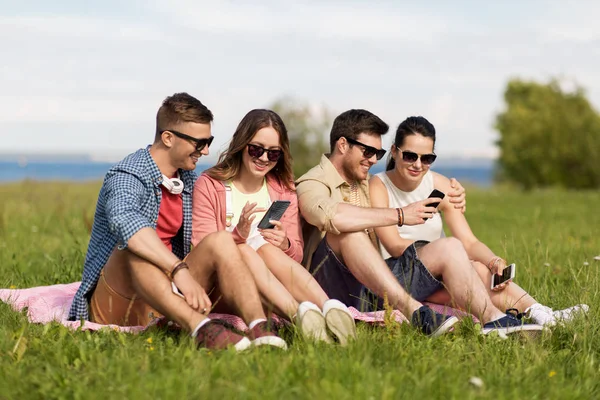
[[410, 126], [230, 162], [179, 108], [354, 122]]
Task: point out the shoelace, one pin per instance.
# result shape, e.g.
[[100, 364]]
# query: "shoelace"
[[515, 313]]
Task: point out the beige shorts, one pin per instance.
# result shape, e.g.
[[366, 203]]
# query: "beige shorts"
[[109, 307]]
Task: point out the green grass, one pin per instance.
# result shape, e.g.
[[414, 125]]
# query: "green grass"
[[44, 229]]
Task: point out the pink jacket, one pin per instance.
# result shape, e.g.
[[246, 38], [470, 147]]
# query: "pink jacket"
[[209, 208]]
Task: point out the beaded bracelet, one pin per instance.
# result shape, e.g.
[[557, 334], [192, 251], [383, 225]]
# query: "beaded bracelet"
[[400, 212]]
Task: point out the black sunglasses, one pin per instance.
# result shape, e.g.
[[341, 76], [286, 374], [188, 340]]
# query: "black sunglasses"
[[368, 151], [412, 157], [257, 152], [200, 143]]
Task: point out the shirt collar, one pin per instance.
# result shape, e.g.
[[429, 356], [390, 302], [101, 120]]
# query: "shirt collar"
[[331, 171]]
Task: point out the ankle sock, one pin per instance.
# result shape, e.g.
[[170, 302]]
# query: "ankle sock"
[[252, 324], [200, 325]]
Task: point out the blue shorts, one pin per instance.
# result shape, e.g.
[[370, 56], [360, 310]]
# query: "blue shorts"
[[339, 283]]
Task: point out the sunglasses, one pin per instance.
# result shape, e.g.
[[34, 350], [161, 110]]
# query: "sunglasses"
[[257, 152], [199, 143], [368, 151], [412, 157]]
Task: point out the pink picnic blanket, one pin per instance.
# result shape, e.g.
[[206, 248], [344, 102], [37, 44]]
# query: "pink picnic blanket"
[[51, 303]]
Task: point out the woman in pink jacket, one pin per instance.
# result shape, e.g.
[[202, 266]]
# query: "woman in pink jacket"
[[255, 171]]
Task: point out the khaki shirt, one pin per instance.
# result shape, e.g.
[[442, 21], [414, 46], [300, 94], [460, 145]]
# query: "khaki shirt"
[[319, 192]]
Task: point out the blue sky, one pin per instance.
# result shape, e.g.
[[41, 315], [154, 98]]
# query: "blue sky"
[[89, 78]]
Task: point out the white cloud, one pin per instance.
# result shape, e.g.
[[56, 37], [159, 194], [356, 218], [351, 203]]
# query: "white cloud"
[[447, 62]]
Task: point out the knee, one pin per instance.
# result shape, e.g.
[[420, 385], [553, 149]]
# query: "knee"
[[451, 244], [220, 239], [351, 238]]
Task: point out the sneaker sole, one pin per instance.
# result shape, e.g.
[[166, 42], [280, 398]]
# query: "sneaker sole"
[[243, 344], [526, 329], [341, 324], [274, 341], [314, 327], [447, 326]]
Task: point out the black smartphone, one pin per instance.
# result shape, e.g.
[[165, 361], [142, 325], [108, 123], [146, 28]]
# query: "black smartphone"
[[507, 274], [275, 212], [438, 194]]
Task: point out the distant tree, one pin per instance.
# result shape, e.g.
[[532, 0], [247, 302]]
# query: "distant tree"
[[548, 136], [308, 130]]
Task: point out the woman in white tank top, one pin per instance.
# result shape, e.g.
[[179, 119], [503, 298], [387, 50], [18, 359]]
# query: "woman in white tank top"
[[407, 179]]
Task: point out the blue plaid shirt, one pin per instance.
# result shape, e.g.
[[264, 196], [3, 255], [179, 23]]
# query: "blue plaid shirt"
[[129, 200]]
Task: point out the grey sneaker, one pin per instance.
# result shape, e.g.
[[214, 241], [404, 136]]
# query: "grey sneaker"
[[432, 323]]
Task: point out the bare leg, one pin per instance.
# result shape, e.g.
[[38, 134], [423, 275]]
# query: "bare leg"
[[448, 258], [512, 296], [217, 256], [271, 289], [365, 263], [296, 279]]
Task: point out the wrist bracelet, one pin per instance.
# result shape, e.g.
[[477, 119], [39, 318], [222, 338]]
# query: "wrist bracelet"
[[493, 262], [179, 265], [400, 212]]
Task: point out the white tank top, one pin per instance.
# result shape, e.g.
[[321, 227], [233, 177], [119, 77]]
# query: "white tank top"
[[430, 230]]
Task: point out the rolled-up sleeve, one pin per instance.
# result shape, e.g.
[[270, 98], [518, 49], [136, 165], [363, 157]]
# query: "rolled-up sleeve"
[[124, 194], [317, 205]]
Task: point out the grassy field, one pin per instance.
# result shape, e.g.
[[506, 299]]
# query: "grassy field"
[[552, 235]]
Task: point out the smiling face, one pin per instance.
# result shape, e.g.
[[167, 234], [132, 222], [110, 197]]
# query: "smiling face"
[[182, 152], [355, 166], [412, 172], [259, 167]]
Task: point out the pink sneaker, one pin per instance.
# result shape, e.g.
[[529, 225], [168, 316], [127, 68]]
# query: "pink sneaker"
[[219, 335], [262, 335]]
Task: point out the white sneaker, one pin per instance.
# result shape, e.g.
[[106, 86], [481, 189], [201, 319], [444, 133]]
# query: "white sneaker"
[[570, 313], [339, 320], [311, 322], [541, 315]]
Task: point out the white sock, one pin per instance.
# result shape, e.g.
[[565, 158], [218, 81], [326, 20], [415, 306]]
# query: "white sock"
[[256, 322], [200, 325]]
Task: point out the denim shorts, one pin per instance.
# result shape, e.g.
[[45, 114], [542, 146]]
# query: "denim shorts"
[[339, 283]]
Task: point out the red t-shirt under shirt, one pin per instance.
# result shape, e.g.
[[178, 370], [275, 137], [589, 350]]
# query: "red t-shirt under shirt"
[[170, 216]]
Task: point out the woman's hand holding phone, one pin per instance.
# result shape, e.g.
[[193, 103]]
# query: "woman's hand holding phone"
[[496, 269], [277, 236]]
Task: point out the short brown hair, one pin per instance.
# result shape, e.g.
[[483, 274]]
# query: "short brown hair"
[[179, 108], [354, 122], [230, 162]]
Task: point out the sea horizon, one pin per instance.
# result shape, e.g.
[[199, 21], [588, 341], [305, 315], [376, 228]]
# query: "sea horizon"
[[481, 174]]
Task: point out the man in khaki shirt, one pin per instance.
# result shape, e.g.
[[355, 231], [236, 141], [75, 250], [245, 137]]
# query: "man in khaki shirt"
[[341, 249]]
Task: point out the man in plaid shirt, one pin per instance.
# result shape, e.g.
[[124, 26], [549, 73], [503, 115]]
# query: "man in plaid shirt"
[[139, 263]]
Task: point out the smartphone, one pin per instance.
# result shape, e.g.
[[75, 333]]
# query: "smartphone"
[[275, 212], [507, 274], [438, 194], [176, 290]]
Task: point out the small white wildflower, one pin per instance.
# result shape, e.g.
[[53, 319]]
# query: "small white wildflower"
[[547, 264], [586, 263], [475, 381]]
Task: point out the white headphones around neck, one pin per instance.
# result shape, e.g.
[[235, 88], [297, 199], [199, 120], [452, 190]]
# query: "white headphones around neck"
[[173, 185]]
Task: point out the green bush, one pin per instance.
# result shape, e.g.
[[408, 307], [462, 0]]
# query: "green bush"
[[548, 137]]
